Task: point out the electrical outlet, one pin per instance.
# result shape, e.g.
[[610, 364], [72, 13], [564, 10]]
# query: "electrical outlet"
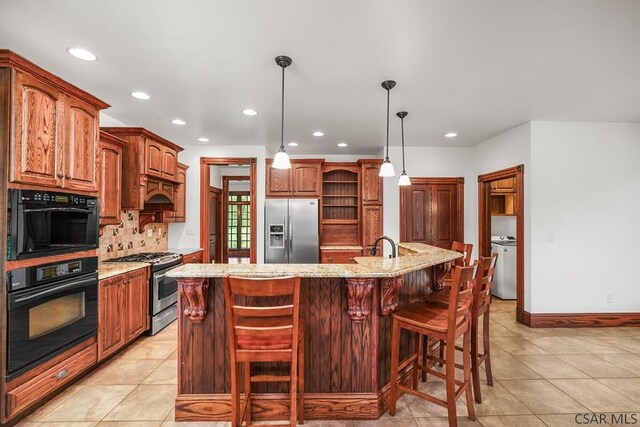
[[150, 232], [609, 298], [189, 231]]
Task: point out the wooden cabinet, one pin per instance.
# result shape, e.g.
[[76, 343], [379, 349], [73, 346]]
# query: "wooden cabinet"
[[44, 384], [153, 158], [193, 258], [54, 127], [507, 185], [170, 164], [123, 310], [371, 227], [339, 256], [110, 178], [304, 179], [504, 204], [371, 181], [180, 213]]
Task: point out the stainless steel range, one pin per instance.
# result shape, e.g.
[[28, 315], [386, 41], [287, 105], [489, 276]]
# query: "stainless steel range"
[[163, 290]]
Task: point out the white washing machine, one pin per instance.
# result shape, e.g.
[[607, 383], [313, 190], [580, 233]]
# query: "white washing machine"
[[504, 281]]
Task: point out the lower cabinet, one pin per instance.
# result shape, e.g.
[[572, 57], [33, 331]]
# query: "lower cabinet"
[[339, 256], [123, 310], [192, 258]]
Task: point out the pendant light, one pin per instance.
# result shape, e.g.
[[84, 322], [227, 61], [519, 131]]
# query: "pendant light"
[[281, 159], [387, 168], [404, 178]]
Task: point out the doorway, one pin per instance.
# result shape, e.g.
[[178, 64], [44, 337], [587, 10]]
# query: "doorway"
[[217, 229], [432, 211], [501, 195]]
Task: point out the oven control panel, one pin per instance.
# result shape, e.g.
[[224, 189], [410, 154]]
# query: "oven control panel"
[[48, 197], [58, 270], [38, 275]]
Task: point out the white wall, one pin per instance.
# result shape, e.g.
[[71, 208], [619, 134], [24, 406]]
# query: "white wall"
[[585, 207]]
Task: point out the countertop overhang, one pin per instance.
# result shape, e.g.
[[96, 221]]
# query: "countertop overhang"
[[419, 256]]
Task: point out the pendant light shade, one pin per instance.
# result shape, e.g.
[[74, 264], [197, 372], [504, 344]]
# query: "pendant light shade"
[[281, 159], [404, 178], [387, 168]]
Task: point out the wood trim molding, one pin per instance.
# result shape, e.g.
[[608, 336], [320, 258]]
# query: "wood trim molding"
[[137, 131], [194, 293], [390, 287], [581, 320], [458, 181], [225, 209], [205, 162], [359, 298], [484, 226]]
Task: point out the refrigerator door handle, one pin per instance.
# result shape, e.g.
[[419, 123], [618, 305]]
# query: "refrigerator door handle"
[[290, 233], [285, 221]]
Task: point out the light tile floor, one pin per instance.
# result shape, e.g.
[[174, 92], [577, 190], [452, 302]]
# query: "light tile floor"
[[541, 377]]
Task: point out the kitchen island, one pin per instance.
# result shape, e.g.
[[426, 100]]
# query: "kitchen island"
[[347, 309]]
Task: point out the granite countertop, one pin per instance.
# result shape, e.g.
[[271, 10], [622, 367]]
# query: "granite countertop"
[[110, 269], [423, 256], [184, 251], [340, 248]]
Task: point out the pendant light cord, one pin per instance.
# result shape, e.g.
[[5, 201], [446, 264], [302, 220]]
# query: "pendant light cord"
[[402, 127], [387, 157], [282, 118]]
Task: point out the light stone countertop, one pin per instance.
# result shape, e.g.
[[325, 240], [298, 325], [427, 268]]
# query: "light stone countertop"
[[110, 269], [340, 248], [424, 256]]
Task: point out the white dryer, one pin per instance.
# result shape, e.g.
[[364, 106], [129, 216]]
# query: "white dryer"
[[504, 280]]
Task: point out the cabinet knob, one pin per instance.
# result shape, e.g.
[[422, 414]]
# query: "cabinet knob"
[[330, 259], [63, 373], [60, 175], [68, 176]]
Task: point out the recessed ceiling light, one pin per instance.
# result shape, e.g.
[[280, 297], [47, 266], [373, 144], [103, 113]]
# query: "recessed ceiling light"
[[81, 53], [249, 112], [451, 135], [318, 133], [203, 139], [140, 95], [178, 122], [342, 144], [293, 144]]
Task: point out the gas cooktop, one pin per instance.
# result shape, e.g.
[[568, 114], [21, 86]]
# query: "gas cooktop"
[[150, 257]]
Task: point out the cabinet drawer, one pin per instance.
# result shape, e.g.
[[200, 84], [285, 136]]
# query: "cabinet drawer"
[[339, 256], [193, 258], [36, 388]]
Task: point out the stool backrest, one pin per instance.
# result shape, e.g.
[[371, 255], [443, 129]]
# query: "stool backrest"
[[262, 314], [484, 282], [461, 294], [465, 249]]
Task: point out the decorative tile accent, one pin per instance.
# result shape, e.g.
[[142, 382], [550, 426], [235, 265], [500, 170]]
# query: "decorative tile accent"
[[124, 239]]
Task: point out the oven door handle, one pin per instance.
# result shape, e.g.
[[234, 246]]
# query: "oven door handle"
[[13, 303], [79, 210]]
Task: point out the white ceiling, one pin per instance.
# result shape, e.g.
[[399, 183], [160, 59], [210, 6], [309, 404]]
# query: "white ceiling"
[[474, 67]]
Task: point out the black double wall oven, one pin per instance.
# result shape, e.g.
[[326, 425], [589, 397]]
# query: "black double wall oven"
[[51, 307]]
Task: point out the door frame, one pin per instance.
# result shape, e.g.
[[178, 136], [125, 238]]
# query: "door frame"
[[225, 210], [484, 228], [458, 181], [218, 192], [205, 163]]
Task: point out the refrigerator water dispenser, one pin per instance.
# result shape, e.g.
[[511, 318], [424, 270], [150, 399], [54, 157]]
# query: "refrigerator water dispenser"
[[276, 236]]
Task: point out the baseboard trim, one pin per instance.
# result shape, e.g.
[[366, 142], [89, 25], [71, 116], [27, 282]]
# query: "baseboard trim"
[[580, 320]]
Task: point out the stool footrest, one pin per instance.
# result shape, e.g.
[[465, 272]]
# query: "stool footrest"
[[270, 378]]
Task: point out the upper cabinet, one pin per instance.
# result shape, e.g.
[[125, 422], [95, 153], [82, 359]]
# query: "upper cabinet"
[[371, 181], [54, 131], [304, 179], [110, 178], [150, 180], [507, 185], [179, 214]]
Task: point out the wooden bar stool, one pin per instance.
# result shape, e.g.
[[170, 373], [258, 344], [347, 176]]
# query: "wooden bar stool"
[[264, 333], [443, 323], [465, 249], [479, 307]]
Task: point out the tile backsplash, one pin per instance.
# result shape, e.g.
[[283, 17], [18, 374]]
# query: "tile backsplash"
[[125, 238]]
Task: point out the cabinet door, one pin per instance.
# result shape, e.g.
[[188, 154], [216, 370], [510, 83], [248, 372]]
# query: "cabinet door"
[[153, 158], [110, 314], [137, 304], [181, 193], [169, 163], [110, 172], [371, 185], [339, 256], [279, 181], [417, 211], [81, 146], [307, 179], [37, 156], [371, 228], [444, 215]]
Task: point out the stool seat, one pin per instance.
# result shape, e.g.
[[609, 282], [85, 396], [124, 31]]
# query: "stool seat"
[[427, 316], [269, 342], [441, 297]]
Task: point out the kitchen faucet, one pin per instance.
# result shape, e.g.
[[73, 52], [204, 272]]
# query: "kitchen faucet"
[[374, 249]]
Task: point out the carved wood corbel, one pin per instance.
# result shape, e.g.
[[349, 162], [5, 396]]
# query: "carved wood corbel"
[[390, 288], [144, 219], [359, 298], [194, 297]]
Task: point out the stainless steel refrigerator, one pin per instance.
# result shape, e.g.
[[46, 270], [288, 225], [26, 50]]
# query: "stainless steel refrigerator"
[[291, 231]]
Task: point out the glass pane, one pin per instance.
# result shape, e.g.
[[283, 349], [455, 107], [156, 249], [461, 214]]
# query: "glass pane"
[[55, 314]]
